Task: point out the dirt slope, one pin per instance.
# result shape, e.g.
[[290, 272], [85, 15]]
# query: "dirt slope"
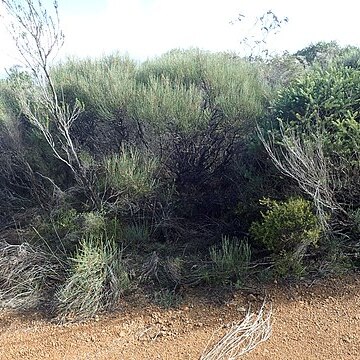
[[321, 322]]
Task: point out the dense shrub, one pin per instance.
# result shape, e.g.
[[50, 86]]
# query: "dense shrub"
[[287, 229], [287, 225], [326, 99], [319, 120], [131, 174], [166, 153], [326, 53], [106, 87], [23, 157], [192, 109], [96, 281]]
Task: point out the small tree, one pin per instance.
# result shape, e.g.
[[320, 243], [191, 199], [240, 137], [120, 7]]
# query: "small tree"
[[38, 38]]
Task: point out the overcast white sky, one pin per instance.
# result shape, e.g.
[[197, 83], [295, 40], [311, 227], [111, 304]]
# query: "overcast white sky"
[[144, 28]]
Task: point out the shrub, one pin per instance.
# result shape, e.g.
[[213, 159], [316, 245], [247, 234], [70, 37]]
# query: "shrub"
[[94, 222], [104, 85], [28, 275], [286, 225], [167, 298], [135, 234], [164, 104], [231, 261], [322, 53], [287, 229], [96, 281], [325, 99], [131, 175], [205, 81], [318, 145], [22, 156], [192, 109]]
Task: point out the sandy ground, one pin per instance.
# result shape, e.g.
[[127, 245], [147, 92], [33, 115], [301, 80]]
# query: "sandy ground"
[[311, 321]]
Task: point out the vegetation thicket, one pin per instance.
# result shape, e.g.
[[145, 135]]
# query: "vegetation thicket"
[[115, 174]]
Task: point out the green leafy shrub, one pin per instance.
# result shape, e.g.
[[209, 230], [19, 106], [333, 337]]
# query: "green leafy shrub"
[[230, 262], [326, 53], [287, 225], [163, 103], [287, 229], [203, 82], [94, 222], [23, 156], [192, 109], [62, 229], [131, 174], [321, 53], [320, 124], [104, 85], [326, 99], [96, 281]]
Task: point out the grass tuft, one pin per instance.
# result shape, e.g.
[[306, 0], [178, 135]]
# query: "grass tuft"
[[97, 279], [27, 275]]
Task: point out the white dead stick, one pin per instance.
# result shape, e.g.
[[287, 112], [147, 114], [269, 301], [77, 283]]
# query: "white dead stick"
[[242, 337]]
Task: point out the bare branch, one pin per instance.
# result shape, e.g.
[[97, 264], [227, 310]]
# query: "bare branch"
[[38, 37], [305, 162], [243, 337]]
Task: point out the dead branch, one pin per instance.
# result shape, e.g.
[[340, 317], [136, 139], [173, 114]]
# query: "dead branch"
[[242, 337], [38, 38], [305, 162]]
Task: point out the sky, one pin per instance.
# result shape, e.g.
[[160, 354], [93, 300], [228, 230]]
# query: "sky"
[[143, 29]]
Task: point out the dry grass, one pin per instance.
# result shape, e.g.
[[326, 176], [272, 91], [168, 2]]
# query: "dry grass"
[[27, 274]]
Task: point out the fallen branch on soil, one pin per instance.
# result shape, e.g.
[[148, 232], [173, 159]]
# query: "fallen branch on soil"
[[242, 337]]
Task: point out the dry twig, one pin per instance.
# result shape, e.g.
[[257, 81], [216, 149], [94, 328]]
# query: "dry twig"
[[242, 337]]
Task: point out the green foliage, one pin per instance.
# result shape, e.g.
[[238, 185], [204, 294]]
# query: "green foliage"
[[16, 82], [94, 223], [186, 66], [237, 89], [230, 262], [163, 103], [355, 217], [104, 85], [204, 81], [321, 52], [326, 99], [62, 229], [65, 219], [351, 58], [135, 234], [288, 263], [167, 298], [287, 229], [280, 71], [322, 107], [287, 225], [326, 53], [96, 281], [173, 142], [132, 173]]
